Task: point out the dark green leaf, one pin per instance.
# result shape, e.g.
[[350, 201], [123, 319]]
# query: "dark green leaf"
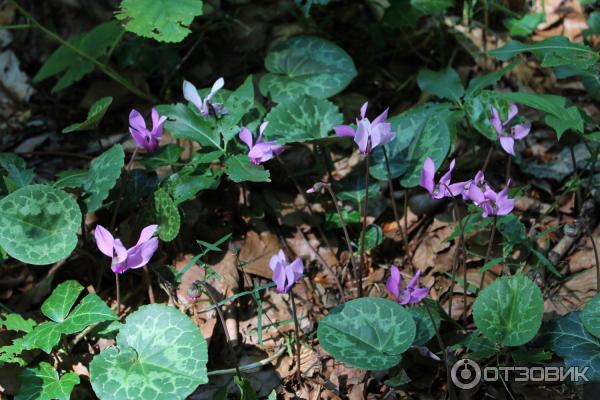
[[590, 316], [166, 155], [167, 215], [57, 306], [104, 172], [240, 169], [525, 25], [479, 83], [185, 123], [369, 333], [43, 383], [444, 83]]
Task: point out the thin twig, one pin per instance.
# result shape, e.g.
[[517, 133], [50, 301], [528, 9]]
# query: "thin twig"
[[297, 333], [442, 348], [488, 252]]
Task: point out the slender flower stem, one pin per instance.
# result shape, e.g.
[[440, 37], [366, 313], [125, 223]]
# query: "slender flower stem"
[[149, 283], [344, 229], [487, 159], [364, 224], [488, 252], [114, 75], [394, 209], [297, 333], [118, 290], [442, 348], [222, 319], [508, 165]]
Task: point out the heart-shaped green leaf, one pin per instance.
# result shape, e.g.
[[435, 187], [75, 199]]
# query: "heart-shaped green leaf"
[[304, 65], [94, 116], [370, 333], [38, 224], [162, 20], [160, 354], [302, 119], [510, 310], [57, 306], [590, 316], [43, 383], [103, 175], [425, 328]]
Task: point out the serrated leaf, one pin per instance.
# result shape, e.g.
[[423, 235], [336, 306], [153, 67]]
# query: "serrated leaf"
[[57, 306], [102, 176], [240, 169], [570, 340], [94, 116], [15, 322], [444, 83], [304, 65], [560, 115], [160, 354], [89, 311], [553, 52], [184, 187], [302, 119], [590, 316], [166, 155], [509, 311], [94, 43], [369, 333], [162, 20], [43, 383], [39, 224], [167, 215], [185, 123]]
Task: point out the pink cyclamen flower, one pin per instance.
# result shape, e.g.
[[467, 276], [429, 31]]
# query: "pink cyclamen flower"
[[479, 180], [490, 202], [260, 151], [412, 294], [122, 258], [147, 139], [517, 132], [284, 274], [443, 188], [205, 107], [378, 132]]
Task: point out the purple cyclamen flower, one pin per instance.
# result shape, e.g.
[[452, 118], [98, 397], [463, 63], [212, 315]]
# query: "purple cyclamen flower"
[[260, 151], [284, 274], [443, 188], [206, 106], [479, 180], [122, 258], [490, 202], [412, 294], [517, 132], [147, 139], [378, 132]]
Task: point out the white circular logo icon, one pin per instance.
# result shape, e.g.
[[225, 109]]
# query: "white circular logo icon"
[[466, 374]]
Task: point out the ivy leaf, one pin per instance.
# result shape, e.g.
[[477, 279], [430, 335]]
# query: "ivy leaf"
[[302, 119], [509, 311], [102, 176], [304, 65], [43, 383], [444, 83], [57, 306], [167, 215], [333, 220], [39, 224], [45, 337], [15, 322], [94, 43], [240, 169], [554, 51], [162, 20], [570, 340], [560, 114], [89, 311], [590, 316], [373, 237], [165, 156], [369, 333], [185, 123], [94, 116], [160, 354]]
